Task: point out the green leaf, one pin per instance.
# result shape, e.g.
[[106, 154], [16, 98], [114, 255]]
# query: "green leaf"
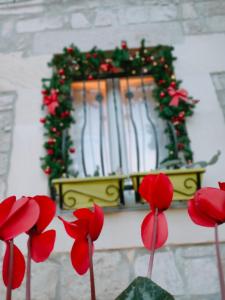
[[143, 288]]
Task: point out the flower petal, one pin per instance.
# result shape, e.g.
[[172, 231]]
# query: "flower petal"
[[96, 222], [77, 229], [157, 189], [147, 230], [83, 213], [198, 217], [222, 185], [80, 256], [146, 187], [23, 216], [163, 192], [47, 211], [5, 208], [211, 202], [18, 266], [42, 245]]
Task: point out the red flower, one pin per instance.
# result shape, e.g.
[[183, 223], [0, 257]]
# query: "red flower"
[[16, 217], [42, 242], [157, 189], [147, 230], [88, 224], [207, 208]]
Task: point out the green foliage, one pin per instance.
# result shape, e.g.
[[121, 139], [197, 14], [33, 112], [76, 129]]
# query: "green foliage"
[[74, 65], [143, 288]]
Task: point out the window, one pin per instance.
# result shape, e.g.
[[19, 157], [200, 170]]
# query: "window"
[[117, 128]]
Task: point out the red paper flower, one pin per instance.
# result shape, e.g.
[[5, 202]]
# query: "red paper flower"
[[88, 225], [207, 208], [42, 242], [157, 189], [16, 217]]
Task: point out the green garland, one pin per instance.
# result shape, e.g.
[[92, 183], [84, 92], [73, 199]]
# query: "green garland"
[[73, 65]]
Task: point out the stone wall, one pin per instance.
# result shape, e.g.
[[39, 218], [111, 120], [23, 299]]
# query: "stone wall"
[[46, 26], [189, 273]]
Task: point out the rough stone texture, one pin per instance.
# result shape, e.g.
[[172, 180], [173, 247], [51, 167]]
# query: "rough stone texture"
[[33, 26], [6, 126], [219, 84], [189, 273]]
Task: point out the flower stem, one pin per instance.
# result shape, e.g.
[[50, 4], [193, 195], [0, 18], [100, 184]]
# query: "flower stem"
[[28, 277], [92, 278], [153, 243], [10, 271], [219, 264]]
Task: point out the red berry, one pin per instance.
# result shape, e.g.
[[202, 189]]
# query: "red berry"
[[50, 151], [124, 45], [162, 95], [70, 50], [72, 150], [173, 84], [43, 120], [48, 170], [61, 72]]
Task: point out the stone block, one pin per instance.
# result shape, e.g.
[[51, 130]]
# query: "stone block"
[[192, 27], [4, 162], [53, 42], [188, 11], [218, 80], [195, 251], [10, 10], [44, 280], [201, 276], [210, 8], [133, 15], [163, 12], [215, 24], [79, 20], [105, 18], [111, 277], [165, 271], [39, 24]]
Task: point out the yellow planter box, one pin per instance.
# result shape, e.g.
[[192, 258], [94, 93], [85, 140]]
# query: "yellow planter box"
[[76, 193], [185, 181]]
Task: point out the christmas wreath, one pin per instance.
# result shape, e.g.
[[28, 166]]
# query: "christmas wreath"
[[174, 104]]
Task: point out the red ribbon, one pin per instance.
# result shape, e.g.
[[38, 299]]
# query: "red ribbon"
[[51, 101], [177, 95]]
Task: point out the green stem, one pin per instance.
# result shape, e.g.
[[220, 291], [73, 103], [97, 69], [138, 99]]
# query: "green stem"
[[28, 277], [92, 279], [219, 264], [10, 272], [152, 250]]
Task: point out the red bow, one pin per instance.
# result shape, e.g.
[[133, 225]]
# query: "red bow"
[[87, 226], [177, 95], [51, 101]]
